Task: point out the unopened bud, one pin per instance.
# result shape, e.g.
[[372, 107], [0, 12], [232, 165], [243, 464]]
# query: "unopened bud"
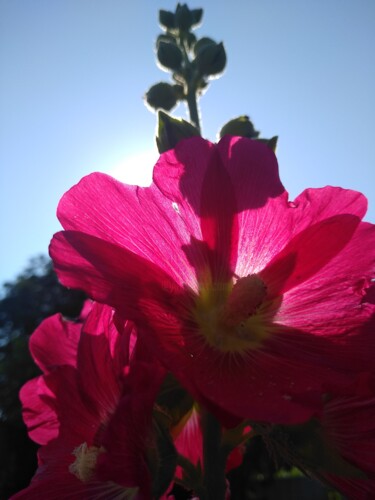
[[169, 55], [211, 59], [201, 43], [163, 95], [183, 17], [240, 126]]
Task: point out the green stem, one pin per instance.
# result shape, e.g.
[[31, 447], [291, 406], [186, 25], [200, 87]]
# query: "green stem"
[[214, 459], [191, 100], [191, 97]]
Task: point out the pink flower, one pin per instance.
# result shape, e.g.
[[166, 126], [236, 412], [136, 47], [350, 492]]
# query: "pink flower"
[[255, 303], [91, 409]]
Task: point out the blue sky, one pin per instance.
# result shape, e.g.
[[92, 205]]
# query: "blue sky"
[[73, 73]]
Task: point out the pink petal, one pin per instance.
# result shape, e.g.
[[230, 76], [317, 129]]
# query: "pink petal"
[[308, 252], [39, 411], [55, 342], [110, 274], [330, 310], [195, 180], [189, 441], [99, 382], [237, 182], [315, 205], [119, 334], [141, 220]]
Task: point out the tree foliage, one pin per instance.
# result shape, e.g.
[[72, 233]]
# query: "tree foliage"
[[34, 295]]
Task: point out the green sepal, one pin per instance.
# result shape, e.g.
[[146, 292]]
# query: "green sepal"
[[164, 95], [170, 131], [192, 476], [240, 126], [167, 19], [190, 40], [163, 463], [211, 59], [202, 43], [174, 400], [169, 55], [196, 15], [271, 143], [233, 437], [165, 37], [183, 17]]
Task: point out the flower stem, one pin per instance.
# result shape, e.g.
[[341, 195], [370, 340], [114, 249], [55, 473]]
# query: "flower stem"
[[214, 459], [191, 83], [191, 100]]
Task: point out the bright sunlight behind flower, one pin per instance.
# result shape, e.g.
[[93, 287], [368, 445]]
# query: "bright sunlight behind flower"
[[135, 169]]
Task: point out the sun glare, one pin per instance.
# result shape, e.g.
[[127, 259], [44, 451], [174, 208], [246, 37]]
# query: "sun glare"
[[136, 169]]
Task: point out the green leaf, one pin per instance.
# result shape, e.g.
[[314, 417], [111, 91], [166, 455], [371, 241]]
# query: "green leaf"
[[174, 400], [170, 131], [240, 126], [163, 95], [164, 468]]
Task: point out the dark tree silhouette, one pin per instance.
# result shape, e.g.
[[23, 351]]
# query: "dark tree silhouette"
[[34, 295]]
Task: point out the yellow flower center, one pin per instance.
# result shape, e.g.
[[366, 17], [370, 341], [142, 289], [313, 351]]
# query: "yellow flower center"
[[230, 317], [84, 465]]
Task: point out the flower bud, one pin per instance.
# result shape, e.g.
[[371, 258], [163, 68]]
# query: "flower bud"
[[169, 55], [201, 43], [183, 17], [211, 59], [240, 126], [163, 95]]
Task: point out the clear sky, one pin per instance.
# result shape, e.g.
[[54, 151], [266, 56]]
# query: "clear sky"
[[73, 73]]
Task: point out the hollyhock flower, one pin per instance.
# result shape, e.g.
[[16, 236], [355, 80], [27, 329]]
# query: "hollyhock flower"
[[252, 301], [91, 410]]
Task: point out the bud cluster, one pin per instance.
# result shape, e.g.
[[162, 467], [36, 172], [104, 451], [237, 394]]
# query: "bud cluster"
[[191, 61]]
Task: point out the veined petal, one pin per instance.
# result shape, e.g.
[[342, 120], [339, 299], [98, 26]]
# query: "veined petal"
[[330, 309], [39, 411], [308, 253], [140, 220], [55, 342]]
